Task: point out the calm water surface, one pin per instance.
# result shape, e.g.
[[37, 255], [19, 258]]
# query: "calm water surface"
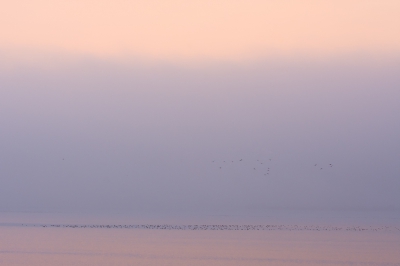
[[43, 246]]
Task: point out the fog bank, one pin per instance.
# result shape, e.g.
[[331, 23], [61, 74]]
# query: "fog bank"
[[100, 136]]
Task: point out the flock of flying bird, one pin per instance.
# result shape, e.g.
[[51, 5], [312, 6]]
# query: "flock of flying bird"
[[263, 165], [266, 170]]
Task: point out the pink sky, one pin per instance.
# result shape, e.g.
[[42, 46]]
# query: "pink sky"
[[178, 30], [88, 132]]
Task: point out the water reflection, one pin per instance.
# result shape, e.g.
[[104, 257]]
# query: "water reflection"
[[91, 246]]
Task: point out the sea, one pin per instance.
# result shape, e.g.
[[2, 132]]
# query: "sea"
[[267, 238]]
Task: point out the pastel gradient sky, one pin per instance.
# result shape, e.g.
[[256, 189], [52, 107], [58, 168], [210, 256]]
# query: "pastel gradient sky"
[[178, 30], [124, 105]]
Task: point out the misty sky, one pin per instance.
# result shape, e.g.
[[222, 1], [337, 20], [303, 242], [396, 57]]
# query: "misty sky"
[[94, 120]]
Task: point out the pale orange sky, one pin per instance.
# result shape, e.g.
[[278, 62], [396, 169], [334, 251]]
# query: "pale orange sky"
[[200, 30]]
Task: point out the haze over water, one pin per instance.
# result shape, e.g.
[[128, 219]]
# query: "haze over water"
[[203, 113]]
